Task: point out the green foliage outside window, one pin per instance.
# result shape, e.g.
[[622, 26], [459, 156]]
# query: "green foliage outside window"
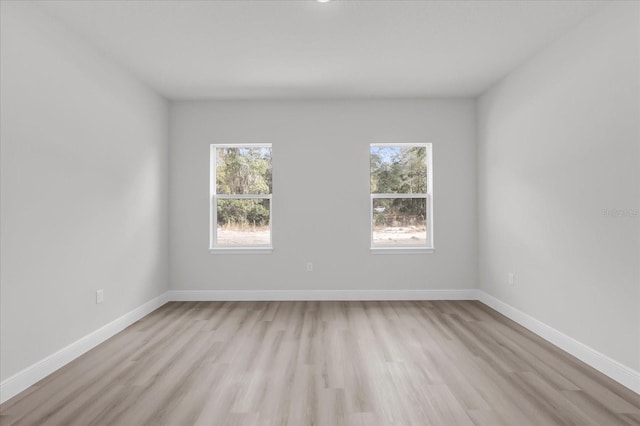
[[398, 170], [241, 213], [243, 171]]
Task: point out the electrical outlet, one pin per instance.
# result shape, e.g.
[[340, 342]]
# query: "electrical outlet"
[[309, 266], [99, 296], [511, 279]]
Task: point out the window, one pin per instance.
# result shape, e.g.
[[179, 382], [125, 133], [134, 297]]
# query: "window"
[[241, 188], [401, 197]]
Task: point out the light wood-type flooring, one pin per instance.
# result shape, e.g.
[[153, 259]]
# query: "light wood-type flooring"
[[325, 363]]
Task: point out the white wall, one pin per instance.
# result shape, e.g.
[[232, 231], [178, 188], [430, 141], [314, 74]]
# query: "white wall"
[[83, 190], [558, 144], [321, 193]]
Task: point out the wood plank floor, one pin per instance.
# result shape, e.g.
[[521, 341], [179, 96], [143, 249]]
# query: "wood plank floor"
[[325, 363]]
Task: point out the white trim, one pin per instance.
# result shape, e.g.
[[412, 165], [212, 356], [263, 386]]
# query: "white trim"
[[242, 250], [214, 248], [379, 249], [428, 196], [34, 373], [41, 369], [382, 144], [399, 195], [213, 220], [242, 145], [264, 295], [604, 364]]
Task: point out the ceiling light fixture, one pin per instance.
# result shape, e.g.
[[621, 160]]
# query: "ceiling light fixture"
[[323, 1]]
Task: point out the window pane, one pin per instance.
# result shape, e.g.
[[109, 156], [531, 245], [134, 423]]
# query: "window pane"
[[399, 221], [243, 170], [398, 169], [243, 222]]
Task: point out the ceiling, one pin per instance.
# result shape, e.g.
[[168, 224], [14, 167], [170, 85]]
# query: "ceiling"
[[241, 49]]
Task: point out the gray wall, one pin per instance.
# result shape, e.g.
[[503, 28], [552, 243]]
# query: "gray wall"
[[558, 144], [321, 193], [83, 189], [84, 199]]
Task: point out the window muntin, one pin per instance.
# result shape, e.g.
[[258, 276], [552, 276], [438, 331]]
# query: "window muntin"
[[241, 194], [401, 196]]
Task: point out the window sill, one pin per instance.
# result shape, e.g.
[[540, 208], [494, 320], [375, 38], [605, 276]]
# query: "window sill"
[[242, 250], [402, 250]]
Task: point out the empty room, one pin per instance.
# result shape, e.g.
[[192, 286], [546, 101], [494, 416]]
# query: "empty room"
[[319, 212]]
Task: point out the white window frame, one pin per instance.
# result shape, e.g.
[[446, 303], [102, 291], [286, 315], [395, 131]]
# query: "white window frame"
[[428, 246], [214, 248]]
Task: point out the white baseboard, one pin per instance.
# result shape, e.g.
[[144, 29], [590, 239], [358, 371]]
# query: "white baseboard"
[[36, 372], [609, 367], [41, 369], [31, 375], [264, 295]]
